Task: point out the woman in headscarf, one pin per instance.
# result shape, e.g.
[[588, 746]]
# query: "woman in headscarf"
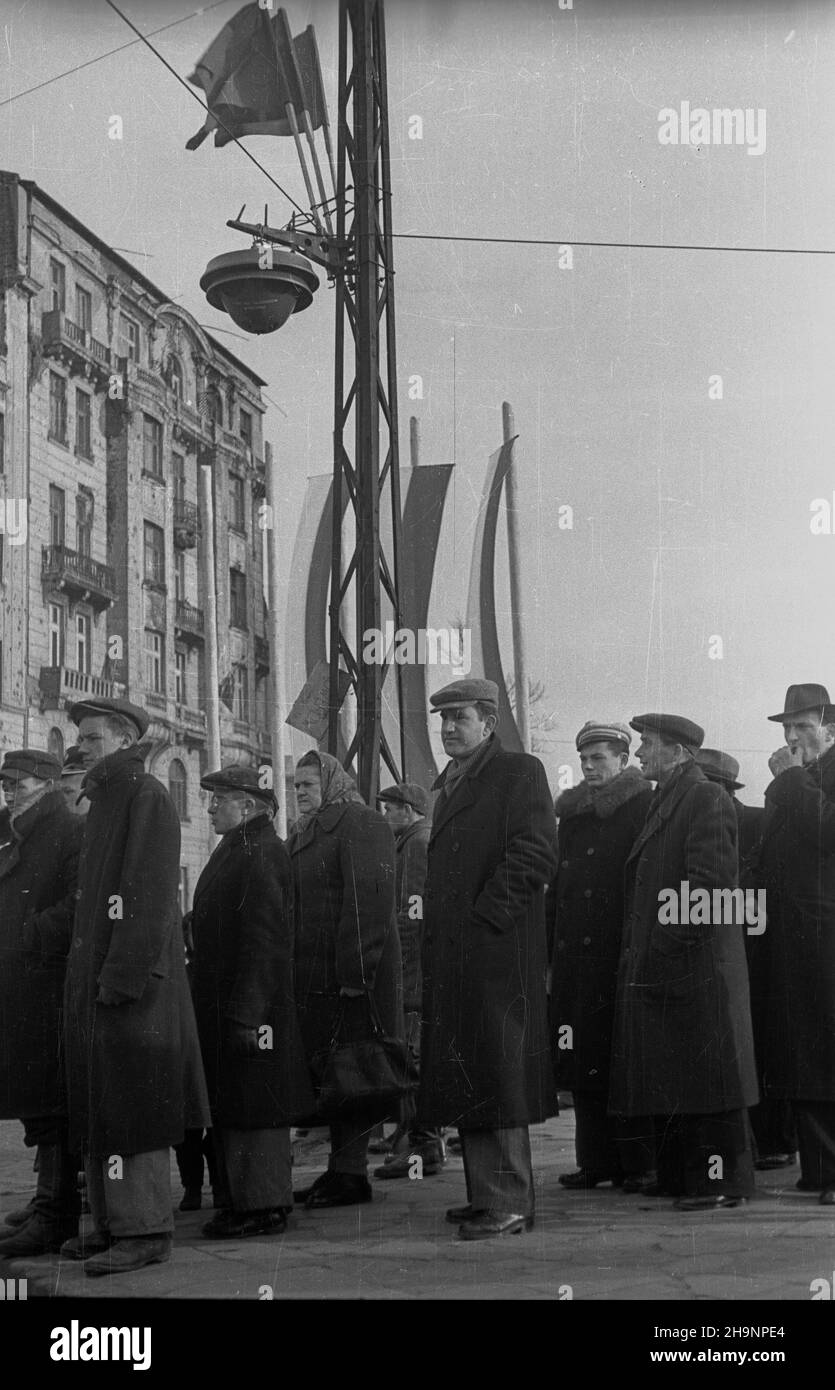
[[346, 944]]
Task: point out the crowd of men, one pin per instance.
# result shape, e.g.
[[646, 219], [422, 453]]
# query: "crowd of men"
[[649, 943]]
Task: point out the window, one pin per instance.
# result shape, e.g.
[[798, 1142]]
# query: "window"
[[83, 520], [246, 428], [180, 685], [2, 442], [129, 338], [240, 692], [55, 744], [82, 642], [152, 446], [237, 598], [154, 662], [214, 405], [236, 502], [57, 516], [178, 787], [178, 474], [83, 424], [56, 634], [154, 554], [58, 279], [57, 408], [175, 377], [83, 309], [179, 576]]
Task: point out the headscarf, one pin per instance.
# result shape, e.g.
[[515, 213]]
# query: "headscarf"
[[337, 786]]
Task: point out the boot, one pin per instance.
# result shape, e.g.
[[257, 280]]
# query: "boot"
[[20, 1216], [129, 1253], [40, 1236], [54, 1216]]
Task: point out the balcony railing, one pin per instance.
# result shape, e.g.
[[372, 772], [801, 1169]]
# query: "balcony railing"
[[61, 686], [85, 579], [186, 524], [75, 346], [189, 619]]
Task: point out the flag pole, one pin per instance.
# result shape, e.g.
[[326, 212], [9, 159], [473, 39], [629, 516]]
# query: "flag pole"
[[326, 125], [290, 112], [278, 711], [520, 670], [308, 130]]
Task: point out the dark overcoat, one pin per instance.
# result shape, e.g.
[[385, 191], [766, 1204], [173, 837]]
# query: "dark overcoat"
[[412, 848], [242, 972], [485, 1058], [682, 1037], [797, 862], [584, 914], [134, 1075], [344, 922], [38, 867]]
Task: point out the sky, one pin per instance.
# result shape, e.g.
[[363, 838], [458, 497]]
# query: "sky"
[[691, 500]]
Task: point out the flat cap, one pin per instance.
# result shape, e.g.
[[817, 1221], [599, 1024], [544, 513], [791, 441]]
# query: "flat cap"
[[100, 706], [673, 727], [467, 692], [30, 762], [595, 731], [237, 777], [719, 767], [73, 762], [407, 794]]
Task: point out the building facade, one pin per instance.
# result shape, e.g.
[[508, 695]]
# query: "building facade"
[[112, 399]]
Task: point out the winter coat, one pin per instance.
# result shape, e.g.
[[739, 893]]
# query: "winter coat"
[[412, 844], [584, 912], [797, 862], [38, 867], [134, 1075], [242, 929], [682, 1037], [485, 1059], [344, 924]]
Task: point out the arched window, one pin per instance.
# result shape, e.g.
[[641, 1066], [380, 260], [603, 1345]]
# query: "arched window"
[[55, 744], [178, 787]]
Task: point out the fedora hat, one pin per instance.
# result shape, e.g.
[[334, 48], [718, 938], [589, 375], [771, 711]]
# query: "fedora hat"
[[719, 767], [801, 699]]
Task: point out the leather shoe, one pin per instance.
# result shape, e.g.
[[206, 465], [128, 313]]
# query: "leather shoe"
[[20, 1216], [129, 1253], [272, 1222], [494, 1223], [769, 1161], [334, 1189], [640, 1182], [38, 1236], [721, 1203], [192, 1199], [586, 1178], [468, 1213], [827, 1197], [82, 1247]]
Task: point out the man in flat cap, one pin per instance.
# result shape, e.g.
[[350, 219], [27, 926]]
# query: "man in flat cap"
[[134, 1073], [598, 823], [772, 1120], [257, 1076], [38, 867], [797, 862], [406, 808], [682, 1048], [485, 1062]]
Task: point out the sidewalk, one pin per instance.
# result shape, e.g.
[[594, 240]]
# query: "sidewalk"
[[596, 1246]]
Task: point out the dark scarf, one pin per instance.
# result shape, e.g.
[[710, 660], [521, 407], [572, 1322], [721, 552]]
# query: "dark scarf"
[[577, 801]]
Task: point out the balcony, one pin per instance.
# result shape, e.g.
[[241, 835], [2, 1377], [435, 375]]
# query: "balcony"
[[85, 580], [186, 524], [190, 427], [61, 687], [191, 721], [76, 347], [189, 621]]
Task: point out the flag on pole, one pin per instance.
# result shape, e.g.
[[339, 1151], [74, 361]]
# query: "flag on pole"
[[246, 91]]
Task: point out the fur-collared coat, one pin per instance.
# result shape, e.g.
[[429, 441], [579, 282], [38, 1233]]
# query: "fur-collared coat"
[[797, 862], [584, 914], [134, 1075], [682, 1038], [485, 1057]]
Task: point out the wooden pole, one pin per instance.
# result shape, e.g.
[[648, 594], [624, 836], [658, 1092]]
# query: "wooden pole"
[[520, 669], [207, 556], [277, 709]]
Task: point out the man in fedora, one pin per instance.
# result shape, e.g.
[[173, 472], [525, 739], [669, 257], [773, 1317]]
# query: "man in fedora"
[[598, 823], [797, 863], [682, 1048], [406, 808], [485, 1063], [772, 1121], [38, 867], [134, 1075], [244, 1000]]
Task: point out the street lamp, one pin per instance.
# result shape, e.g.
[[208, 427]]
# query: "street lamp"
[[259, 288]]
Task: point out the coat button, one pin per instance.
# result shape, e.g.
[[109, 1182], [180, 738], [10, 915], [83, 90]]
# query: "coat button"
[[77, 942], [560, 945], [586, 940], [589, 851], [455, 846], [592, 1071], [587, 893], [565, 863]]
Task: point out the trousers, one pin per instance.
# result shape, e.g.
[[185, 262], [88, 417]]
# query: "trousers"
[[349, 1146], [135, 1203], [614, 1144], [705, 1155], [816, 1141], [497, 1169], [255, 1166]]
